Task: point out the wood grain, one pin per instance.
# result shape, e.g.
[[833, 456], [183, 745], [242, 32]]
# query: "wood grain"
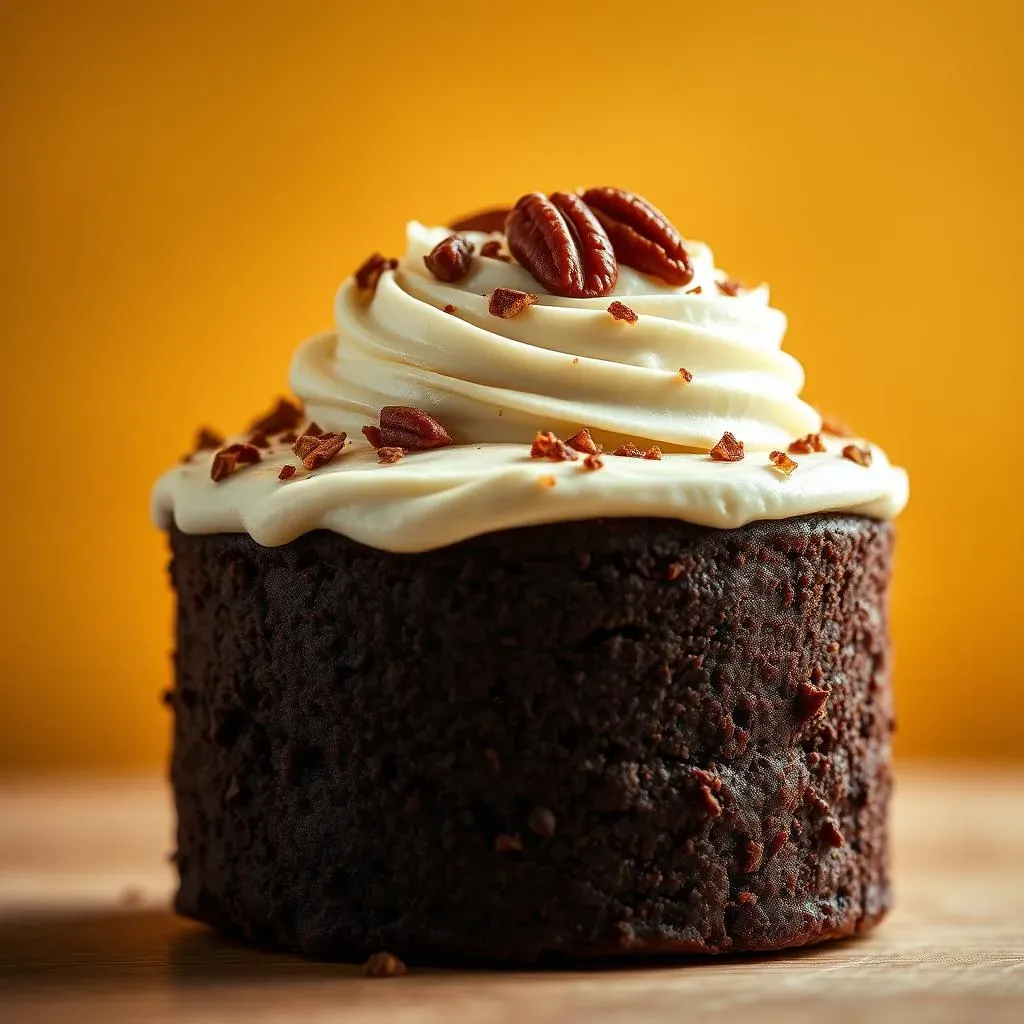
[[85, 933]]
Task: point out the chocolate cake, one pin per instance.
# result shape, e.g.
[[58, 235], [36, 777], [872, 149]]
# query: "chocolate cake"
[[467, 683]]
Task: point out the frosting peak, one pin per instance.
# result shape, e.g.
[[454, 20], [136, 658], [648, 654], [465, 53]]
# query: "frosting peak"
[[561, 364]]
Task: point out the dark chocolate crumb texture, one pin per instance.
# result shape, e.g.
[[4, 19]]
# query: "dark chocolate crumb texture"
[[607, 737], [513, 639]]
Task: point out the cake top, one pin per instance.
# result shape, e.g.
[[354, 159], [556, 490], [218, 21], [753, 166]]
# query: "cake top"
[[572, 357]]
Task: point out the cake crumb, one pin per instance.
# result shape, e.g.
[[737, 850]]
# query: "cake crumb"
[[384, 965], [746, 898], [449, 308]]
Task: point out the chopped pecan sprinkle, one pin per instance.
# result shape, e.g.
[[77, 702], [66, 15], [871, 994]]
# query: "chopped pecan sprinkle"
[[746, 898], [449, 260], [384, 965], [729, 287], [287, 472], [369, 273], [449, 308], [728, 449], [576, 361], [260, 439], [641, 236], [782, 462], [485, 221], [314, 429], [327, 449], [831, 834], [685, 374], [389, 455], [583, 442], [562, 244], [404, 427], [509, 302], [593, 461], [229, 459], [629, 451], [862, 456], [836, 428], [492, 250], [207, 439], [284, 416], [653, 453], [290, 438], [806, 445], [695, 291], [620, 311], [508, 844], [305, 444], [673, 572], [546, 481], [547, 445]]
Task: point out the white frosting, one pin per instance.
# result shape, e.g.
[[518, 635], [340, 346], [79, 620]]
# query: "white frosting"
[[560, 365]]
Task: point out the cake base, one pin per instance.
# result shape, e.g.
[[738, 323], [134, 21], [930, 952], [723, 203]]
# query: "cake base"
[[605, 738]]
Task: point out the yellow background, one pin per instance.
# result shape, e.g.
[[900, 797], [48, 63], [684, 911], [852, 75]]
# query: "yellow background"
[[184, 185]]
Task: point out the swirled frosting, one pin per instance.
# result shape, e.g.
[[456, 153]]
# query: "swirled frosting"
[[561, 365]]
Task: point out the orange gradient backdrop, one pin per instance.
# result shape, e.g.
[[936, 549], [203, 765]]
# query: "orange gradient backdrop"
[[184, 185]]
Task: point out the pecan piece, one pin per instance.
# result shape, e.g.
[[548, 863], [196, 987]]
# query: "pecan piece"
[[449, 260], [782, 462], [486, 221], [806, 445], [492, 250], [389, 456], [685, 374], [369, 273], [620, 311], [324, 449], [284, 416], [581, 441], [641, 235], [629, 451], [729, 287], [561, 243], [547, 445], [653, 453], [229, 459], [594, 461], [862, 456], [207, 439], [509, 302], [728, 449], [404, 427], [287, 472]]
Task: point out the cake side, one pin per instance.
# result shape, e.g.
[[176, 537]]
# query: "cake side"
[[600, 737]]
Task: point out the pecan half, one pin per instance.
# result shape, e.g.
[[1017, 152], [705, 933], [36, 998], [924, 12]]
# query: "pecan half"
[[641, 235], [487, 221], [449, 259], [561, 243], [728, 449], [404, 427], [509, 302]]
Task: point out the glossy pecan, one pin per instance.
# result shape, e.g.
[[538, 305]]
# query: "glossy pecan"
[[369, 272], [449, 259], [487, 221], [404, 427], [641, 236], [560, 242]]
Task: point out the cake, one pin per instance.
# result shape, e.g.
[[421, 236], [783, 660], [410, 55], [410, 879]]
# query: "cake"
[[547, 622]]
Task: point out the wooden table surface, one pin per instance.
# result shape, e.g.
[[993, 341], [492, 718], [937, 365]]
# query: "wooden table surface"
[[86, 934]]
